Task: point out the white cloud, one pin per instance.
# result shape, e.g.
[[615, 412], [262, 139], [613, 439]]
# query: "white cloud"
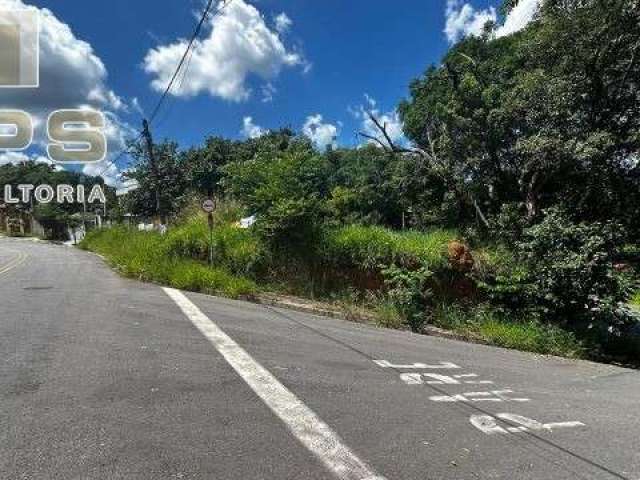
[[391, 120], [70, 72], [71, 76], [464, 20], [250, 129], [321, 134], [240, 44], [110, 173], [283, 23], [268, 92], [519, 17]]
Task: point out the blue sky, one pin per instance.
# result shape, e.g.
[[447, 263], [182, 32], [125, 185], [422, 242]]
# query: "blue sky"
[[328, 59]]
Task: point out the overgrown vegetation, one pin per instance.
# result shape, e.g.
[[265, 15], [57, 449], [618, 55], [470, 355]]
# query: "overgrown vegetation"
[[510, 214], [635, 299], [485, 324], [143, 256]]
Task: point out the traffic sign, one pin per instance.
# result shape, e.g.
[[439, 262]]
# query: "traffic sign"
[[208, 205]]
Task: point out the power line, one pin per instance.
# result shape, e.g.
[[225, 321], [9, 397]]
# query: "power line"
[[122, 153], [167, 91], [195, 35]]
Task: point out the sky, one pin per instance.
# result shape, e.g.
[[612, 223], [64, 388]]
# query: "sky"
[[315, 67]]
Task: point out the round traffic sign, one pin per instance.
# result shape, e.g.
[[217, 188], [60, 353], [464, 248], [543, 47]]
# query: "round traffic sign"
[[208, 205]]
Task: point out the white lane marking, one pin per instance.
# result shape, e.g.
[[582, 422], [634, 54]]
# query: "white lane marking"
[[419, 366], [305, 425], [438, 379], [16, 262], [489, 425], [492, 396], [551, 426], [473, 382]]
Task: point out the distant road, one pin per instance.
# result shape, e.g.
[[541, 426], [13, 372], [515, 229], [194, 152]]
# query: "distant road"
[[107, 378]]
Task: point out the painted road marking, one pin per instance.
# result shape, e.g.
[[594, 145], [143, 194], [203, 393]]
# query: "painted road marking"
[[473, 382], [16, 262], [485, 423], [303, 423], [437, 379], [489, 425], [491, 396], [416, 366]]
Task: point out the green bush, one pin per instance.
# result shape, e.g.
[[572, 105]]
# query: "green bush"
[[287, 190], [563, 272], [571, 270], [409, 292]]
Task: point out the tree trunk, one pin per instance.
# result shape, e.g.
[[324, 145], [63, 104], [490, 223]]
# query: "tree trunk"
[[531, 197]]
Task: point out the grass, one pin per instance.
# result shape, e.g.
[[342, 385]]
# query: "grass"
[[235, 249], [635, 299], [370, 247], [482, 323], [142, 255]]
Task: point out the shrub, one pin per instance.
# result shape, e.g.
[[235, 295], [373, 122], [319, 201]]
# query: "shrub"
[[572, 269], [409, 292], [566, 274]]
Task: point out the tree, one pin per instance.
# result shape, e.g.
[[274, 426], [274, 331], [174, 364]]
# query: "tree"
[[544, 117], [172, 180], [286, 189]]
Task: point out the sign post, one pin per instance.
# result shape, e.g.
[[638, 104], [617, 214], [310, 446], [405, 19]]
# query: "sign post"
[[209, 206]]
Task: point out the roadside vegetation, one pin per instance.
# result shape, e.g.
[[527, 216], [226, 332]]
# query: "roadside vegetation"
[[146, 256], [635, 300], [510, 214]]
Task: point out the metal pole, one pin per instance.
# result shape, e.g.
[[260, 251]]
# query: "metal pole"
[[154, 168], [211, 239], [84, 205]]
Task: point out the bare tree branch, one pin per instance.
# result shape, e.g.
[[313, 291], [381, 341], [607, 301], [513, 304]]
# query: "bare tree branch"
[[376, 140], [388, 145]]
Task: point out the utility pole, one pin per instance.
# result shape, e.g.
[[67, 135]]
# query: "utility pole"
[[84, 204], [146, 133]]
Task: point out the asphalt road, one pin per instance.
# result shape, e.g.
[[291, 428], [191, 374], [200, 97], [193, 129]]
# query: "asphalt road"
[[106, 378]]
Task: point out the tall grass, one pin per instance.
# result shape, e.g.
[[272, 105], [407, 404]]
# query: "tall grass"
[[235, 249], [635, 299], [370, 247], [142, 255]]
